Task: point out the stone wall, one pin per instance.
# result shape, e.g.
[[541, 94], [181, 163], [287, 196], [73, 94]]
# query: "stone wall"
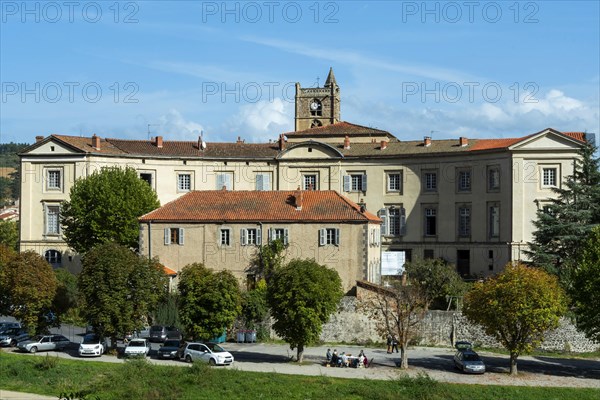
[[350, 324]]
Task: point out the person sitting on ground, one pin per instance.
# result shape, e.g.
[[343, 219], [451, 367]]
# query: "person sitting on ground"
[[344, 360], [335, 359], [361, 359], [328, 356]]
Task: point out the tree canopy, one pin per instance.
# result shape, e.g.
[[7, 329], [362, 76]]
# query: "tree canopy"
[[563, 224], [585, 291], [209, 301], [105, 206], [27, 286], [436, 279], [119, 288], [302, 295], [517, 307], [9, 234]]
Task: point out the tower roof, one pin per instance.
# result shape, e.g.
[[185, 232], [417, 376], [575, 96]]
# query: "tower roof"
[[330, 78]]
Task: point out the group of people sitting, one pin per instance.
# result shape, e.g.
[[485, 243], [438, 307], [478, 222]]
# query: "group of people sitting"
[[346, 360]]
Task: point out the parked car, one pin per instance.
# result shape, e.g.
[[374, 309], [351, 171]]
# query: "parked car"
[[467, 360], [169, 349], [9, 324], [44, 343], [160, 333], [137, 348], [92, 345], [11, 336], [211, 353]]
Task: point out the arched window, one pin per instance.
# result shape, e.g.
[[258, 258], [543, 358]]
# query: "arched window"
[[316, 123], [316, 108], [53, 257]]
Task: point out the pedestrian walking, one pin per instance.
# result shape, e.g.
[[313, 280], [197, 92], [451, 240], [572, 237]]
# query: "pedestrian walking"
[[394, 344]]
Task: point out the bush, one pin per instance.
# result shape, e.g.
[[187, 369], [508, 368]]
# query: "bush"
[[47, 363]]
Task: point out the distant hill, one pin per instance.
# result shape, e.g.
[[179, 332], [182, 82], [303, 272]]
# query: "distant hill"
[[8, 154]]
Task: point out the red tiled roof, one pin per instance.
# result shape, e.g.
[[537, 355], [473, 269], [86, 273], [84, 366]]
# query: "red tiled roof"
[[488, 144], [260, 206], [339, 129], [576, 135], [169, 271]]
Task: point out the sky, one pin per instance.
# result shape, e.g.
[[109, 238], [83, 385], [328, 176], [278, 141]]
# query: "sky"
[[136, 69]]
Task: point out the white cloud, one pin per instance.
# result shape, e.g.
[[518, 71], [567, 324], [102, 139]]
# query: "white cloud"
[[174, 126], [263, 120]]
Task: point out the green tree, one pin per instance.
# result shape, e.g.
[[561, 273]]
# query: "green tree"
[[302, 295], [119, 289], [105, 206], [28, 285], [209, 301], [437, 280], [269, 258], [517, 307], [9, 234], [585, 291], [565, 222], [167, 311], [67, 295]]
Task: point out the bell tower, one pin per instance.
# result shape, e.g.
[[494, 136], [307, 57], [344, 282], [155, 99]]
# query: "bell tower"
[[318, 106]]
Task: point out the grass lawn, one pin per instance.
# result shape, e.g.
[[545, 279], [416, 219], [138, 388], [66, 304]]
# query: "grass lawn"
[[138, 379]]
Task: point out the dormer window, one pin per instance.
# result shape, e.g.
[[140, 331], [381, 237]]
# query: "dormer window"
[[316, 108]]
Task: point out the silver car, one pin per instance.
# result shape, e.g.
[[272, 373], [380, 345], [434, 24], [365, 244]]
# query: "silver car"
[[44, 343], [210, 353], [467, 360]]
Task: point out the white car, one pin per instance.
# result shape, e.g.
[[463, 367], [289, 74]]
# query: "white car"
[[211, 353], [137, 348], [43, 343], [92, 345]]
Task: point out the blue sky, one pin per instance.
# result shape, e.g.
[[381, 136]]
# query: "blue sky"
[[414, 68]]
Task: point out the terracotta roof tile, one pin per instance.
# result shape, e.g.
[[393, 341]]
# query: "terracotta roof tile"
[[189, 148], [576, 135], [339, 129], [488, 144], [260, 206], [169, 271]]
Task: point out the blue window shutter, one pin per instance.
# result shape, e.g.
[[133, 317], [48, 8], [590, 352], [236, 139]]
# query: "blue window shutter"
[[243, 237], [322, 236], [285, 236], [364, 183], [259, 182], [181, 236], [258, 237], [228, 182], [383, 214], [346, 183], [266, 182], [403, 221], [167, 236], [337, 237], [220, 181]]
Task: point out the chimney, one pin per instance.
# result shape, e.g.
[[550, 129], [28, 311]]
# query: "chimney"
[[463, 141], [239, 140], [39, 139], [159, 142], [384, 144], [427, 141], [96, 142], [281, 142], [201, 143], [298, 197], [346, 142]]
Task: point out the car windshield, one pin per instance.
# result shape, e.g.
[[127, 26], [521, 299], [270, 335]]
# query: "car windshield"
[[171, 343], [91, 339], [156, 328], [215, 347], [37, 338], [471, 357], [136, 343]]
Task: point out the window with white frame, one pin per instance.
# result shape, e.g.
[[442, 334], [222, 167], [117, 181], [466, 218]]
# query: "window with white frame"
[[464, 180], [393, 220], [225, 237], [279, 234], [394, 182], [147, 177], [430, 181], [493, 178], [549, 177], [174, 236], [52, 219], [329, 236], [263, 181], [54, 179], [355, 183], [250, 236], [225, 180], [310, 181], [464, 221], [494, 220], [184, 182], [53, 257], [430, 221]]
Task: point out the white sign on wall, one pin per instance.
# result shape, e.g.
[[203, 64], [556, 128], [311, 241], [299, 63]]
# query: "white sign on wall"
[[392, 262]]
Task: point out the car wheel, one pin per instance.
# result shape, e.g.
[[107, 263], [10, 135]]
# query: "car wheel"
[[212, 362], [188, 358], [33, 350], [13, 343]]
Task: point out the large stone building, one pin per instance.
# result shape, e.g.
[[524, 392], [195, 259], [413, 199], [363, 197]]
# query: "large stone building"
[[469, 201]]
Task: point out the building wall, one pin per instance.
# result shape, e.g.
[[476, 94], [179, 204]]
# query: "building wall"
[[351, 259]]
